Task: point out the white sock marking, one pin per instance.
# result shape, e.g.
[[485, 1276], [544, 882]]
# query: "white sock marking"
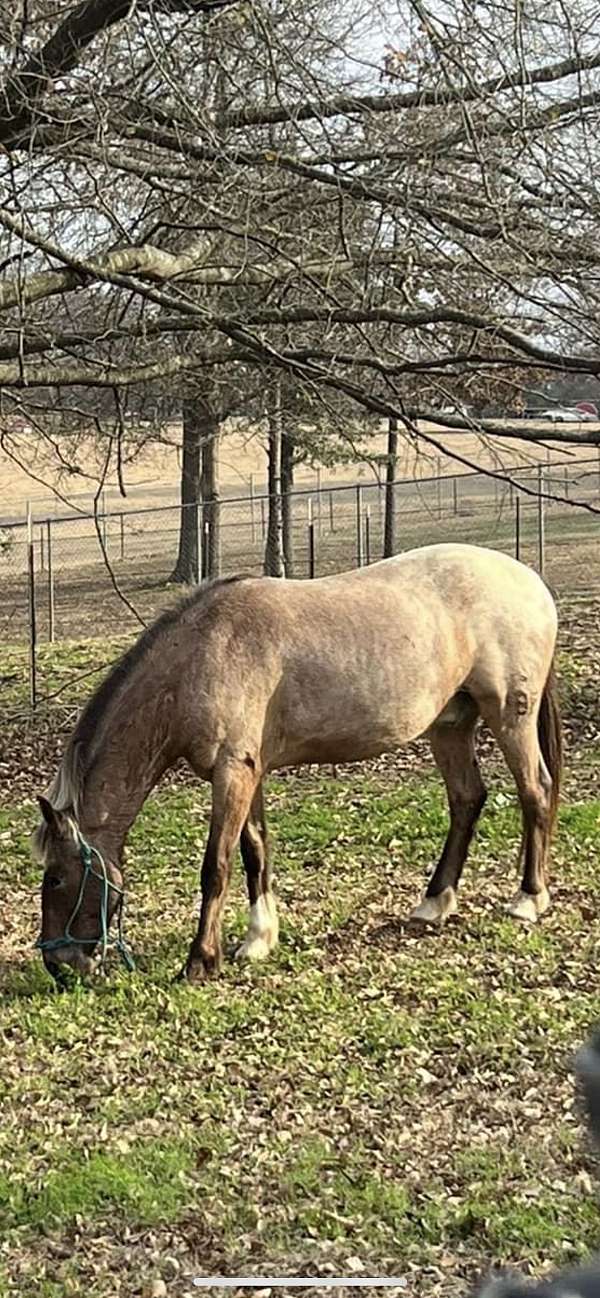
[[528, 906], [263, 930], [434, 910]]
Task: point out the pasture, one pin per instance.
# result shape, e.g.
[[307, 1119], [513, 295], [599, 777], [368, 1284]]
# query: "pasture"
[[375, 1099]]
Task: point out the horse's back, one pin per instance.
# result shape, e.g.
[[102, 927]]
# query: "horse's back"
[[348, 666], [484, 591]]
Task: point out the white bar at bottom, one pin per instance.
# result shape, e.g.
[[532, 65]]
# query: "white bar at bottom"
[[298, 1281]]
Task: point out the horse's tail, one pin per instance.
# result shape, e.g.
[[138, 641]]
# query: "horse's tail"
[[550, 738]]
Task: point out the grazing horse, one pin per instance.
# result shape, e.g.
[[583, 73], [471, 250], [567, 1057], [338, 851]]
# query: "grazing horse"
[[249, 674]]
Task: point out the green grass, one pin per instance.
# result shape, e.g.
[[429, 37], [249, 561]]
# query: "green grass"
[[147, 1184], [371, 1092]]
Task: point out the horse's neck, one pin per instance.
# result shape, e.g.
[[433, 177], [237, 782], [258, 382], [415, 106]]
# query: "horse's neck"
[[128, 764]]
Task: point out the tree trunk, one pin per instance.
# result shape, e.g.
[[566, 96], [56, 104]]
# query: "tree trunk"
[[209, 490], [389, 529], [274, 562], [186, 566], [287, 486]]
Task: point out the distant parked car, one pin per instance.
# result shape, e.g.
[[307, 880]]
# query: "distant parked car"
[[565, 415], [454, 410]]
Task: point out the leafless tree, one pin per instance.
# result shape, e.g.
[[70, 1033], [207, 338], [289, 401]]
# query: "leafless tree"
[[189, 189]]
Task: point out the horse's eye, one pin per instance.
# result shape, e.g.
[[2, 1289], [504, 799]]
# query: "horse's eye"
[[53, 881]]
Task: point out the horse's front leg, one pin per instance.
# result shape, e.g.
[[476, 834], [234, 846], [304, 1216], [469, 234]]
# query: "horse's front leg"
[[263, 930], [233, 786]]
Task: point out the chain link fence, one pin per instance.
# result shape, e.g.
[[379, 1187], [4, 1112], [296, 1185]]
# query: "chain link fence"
[[61, 580]]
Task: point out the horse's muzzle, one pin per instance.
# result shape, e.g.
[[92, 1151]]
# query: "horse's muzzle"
[[67, 956]]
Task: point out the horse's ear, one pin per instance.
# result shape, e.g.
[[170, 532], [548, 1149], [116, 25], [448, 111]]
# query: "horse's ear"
[[48, 813]]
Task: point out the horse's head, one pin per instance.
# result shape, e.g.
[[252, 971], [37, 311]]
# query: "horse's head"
[[80, 893]]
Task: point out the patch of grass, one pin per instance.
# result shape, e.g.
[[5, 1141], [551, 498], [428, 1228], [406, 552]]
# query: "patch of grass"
[[147, 1184]]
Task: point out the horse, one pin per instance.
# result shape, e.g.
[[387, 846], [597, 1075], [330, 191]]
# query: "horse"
[[248, 674]]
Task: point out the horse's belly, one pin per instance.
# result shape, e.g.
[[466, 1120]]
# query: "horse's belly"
[[351, 731]]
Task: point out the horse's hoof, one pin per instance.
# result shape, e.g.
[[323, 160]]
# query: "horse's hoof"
[[528, 906], [199, 971], [254, 949], [434, 910]]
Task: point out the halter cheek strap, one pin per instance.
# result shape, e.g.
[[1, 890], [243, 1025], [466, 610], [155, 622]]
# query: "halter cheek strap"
[[87, 853]]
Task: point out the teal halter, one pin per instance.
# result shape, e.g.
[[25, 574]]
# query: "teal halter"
[[87, 852]]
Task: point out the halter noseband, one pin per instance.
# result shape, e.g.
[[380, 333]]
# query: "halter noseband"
[[87, 852]]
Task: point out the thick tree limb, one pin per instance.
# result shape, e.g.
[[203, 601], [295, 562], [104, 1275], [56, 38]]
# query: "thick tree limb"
[[343, 105]]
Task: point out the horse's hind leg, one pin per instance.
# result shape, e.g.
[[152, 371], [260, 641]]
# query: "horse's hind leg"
[[263, 929], [233, 788], [521, 750], [453, 748]]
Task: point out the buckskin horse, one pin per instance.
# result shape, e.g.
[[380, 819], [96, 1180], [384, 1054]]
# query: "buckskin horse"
[[252, 673]]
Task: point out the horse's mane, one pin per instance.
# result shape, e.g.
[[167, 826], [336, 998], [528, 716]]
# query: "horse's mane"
[[67, 787]]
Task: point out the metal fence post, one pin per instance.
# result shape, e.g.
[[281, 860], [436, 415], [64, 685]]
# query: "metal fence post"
[[319, 506], [517, 526], [455, 495], [41, 547], [541, 521], [439, 486], [368, 535], [205, 548], [200, 569], [311, 539], [32, 623], [50, 581], [122, 533], [252, 524], [359, 528], [331, 527]]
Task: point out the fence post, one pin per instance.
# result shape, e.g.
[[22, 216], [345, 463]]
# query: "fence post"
[[359, 528], [331, 527], [439, 486], [104, 529], [319, 506], [205, 548], [311, 540], [455, 496], [262, 517], [368, 535], [200, 569], [541, 521], [122, 533], [517, 526], [32, 625], [252, 524], [50, 581], [41, 547]]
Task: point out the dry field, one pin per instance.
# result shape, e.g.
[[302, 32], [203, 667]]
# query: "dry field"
[[153, 477]]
